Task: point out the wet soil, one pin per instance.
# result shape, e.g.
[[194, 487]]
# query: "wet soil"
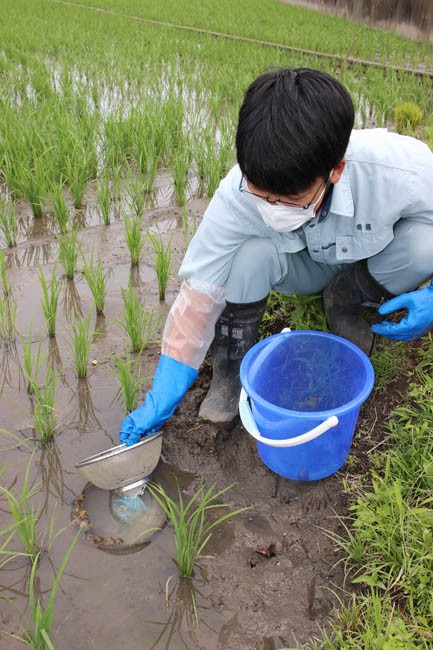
[[273, 576]]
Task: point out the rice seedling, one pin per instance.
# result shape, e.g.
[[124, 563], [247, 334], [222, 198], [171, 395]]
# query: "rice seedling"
[[133, 238], [77, 174], [81, 343], [37, 625], [146, 158], [68, 252], [33, 186], [139, 323], [61, 209], [162, 262], [97, 280], [49, 300], [33, 362], [103, 194], [191, 522], [24, 516], [8, 223], [128, 374], [180, 164], [44, 413], [7, 289], [8, 314], [136, 193]]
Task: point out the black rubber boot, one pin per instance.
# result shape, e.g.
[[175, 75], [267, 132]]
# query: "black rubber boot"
[[235, 333], [351, 293]]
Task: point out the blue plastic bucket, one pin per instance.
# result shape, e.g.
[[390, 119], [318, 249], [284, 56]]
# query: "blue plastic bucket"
[[305, 389]]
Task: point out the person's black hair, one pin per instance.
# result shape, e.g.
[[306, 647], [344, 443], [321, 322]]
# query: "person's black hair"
[[294, 126]]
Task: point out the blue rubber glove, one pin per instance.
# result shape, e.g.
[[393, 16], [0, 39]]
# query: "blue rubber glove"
[[170, 383], [418, 320]]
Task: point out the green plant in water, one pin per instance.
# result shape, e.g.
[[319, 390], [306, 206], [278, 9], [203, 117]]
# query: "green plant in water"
[[82, 339], [407, 117], [7, 289], [139, 323], [50, 300], [8, 314], [136, 192], [33, 186], [61, 209], [33, 362], [133, 238], [191, 521], [44, 412], [68, 252], [128, 374], [8, 223], [37, 628], [181, 162], [97, 280], [24, 516], [162, 262], [103, 194]]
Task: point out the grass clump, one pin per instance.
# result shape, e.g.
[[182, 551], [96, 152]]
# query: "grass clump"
[[50, 300], [407, 117], [24, 516], [128, 374], [162, 262], [68, 253], [38, 623], [97, 280], [138, 322], [61, 209], [82, 339], [8, 223], [44, 413], [133, 238], [192, 522]]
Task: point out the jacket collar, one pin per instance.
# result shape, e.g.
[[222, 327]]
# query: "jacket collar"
[[342, 200]]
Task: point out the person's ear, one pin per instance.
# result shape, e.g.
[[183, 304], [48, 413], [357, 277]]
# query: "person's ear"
[[337, 171]]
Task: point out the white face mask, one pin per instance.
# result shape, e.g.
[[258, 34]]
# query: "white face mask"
[[284, 218]]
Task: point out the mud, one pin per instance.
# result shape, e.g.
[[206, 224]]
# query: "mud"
[[273, 577]]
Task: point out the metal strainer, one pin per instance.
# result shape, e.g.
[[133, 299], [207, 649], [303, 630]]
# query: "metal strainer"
[[123, 468]]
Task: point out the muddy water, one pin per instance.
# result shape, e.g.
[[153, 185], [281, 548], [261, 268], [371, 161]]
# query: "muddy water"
[[244, 599]]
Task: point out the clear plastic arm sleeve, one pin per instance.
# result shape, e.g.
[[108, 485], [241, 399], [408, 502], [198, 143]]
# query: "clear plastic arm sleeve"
[[190, 326]]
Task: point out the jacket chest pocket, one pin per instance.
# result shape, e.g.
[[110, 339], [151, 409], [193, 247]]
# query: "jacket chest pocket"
[[351, 248]]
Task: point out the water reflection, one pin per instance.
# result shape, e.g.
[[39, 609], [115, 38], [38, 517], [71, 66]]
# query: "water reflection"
[[32, 255], [71, 300], [185, 619], [86, 414], [52, 475]]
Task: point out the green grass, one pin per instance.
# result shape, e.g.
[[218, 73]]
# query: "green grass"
[[128, 374], [44, 412], [37, 623], [162, 261], [133, 238], [81, 343], [68, 252], [50, 300], [138, 322], [193, 521], [8, 223], [23, 514], [97, 279]]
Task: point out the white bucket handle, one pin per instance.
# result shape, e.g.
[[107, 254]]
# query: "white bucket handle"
[[251, 426]]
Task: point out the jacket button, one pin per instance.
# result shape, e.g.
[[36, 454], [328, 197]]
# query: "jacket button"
[[344, 249]]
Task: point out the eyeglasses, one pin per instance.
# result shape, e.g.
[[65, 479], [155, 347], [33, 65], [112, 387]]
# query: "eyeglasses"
[[317, 194]]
